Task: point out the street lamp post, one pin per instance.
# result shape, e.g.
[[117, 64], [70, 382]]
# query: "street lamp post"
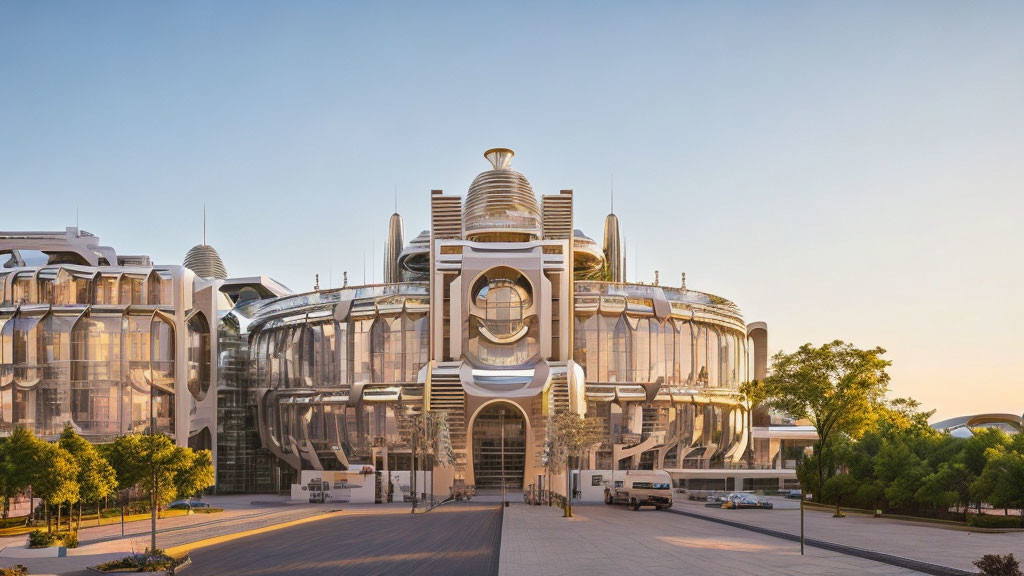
[[502, 420]]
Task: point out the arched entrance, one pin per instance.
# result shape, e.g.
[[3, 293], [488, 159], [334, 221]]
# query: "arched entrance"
[[499, 446]]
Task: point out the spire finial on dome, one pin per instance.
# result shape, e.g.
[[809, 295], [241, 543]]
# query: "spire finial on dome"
[[500, 158]]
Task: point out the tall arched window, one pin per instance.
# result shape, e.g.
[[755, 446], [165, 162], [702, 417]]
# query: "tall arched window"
[[198, 356], [416, 328], [136, 402], [621, 352], [386, 349], [96, 374], [162, 370], [53, 403], [6, 371]]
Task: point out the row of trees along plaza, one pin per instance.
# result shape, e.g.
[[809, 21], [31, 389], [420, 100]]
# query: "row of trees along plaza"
[[72, 473], [879, 454]]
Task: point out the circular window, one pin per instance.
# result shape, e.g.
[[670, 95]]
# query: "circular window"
[[502, 298]]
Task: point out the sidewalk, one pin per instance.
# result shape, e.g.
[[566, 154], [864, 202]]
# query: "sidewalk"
[[102, 543], [916, 540], [612, 540]]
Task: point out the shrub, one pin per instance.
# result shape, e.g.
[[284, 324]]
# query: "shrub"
[[41, 539], [16, 570], [154, 561], [996, 565], [993, 521], [70, 539]]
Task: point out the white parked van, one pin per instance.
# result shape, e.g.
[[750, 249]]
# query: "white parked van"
[[640, 488]]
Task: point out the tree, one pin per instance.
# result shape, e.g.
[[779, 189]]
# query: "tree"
[[839, 487], [574, 434], [153, 463], [950, 484], [1000, 481], [195, 475], [56, 477], [837, 387], [755, 393], [18, 454], [96, 477]]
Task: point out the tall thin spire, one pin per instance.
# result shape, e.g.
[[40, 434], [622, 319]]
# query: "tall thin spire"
[[204, 223], [612, 193]]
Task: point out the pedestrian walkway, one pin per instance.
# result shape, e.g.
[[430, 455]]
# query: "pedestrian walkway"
[[926, 542], [612, 540], [102, 543]]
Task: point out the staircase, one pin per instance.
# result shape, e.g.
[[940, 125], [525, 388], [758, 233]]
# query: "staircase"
[[446, 394], [559, 391]]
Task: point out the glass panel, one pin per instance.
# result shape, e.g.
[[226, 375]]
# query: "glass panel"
[[96, 375], [641, 352], [136, 392], [417, 338], [361, 350], [700, 364], [714, 358], [6, 373], [106, 290], [53, 402], [162, 370]]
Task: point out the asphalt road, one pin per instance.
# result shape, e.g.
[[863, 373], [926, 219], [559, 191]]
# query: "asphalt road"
[[456, 539]]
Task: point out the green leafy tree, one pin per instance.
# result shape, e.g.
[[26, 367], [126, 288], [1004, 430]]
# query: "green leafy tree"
[[18, 454], [574, 434], [153, 463], [836, 386], [948, 485], [55, 478], [96, 477], [1000, 481], [839, 487], [196, 475]]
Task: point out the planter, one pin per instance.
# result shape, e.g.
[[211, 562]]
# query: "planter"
[[182, 565]]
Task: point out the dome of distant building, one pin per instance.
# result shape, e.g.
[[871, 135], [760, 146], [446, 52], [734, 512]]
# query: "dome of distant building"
[[205, 262], [500, 205]]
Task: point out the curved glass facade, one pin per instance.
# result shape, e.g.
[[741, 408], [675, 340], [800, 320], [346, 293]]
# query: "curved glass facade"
[[507, 302], [95, 348]]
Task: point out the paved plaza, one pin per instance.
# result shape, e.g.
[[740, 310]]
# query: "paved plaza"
[[476, 538], [936, 544], [612, 540]]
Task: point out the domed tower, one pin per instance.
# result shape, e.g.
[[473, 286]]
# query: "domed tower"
[[501, 205], [204, 260]]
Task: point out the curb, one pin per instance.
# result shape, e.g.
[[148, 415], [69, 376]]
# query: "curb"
[[891, 559], [177, 551]]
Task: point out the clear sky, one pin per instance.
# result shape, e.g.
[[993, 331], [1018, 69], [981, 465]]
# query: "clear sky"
[[840, 170]]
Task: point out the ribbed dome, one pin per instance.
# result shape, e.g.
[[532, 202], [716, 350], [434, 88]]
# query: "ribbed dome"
[[205, 262], [500, 205]]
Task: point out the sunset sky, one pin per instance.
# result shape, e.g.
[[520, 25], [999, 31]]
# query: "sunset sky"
[[841, 171]]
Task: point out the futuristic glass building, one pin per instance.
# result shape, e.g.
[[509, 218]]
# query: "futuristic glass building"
[[500, 315]]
